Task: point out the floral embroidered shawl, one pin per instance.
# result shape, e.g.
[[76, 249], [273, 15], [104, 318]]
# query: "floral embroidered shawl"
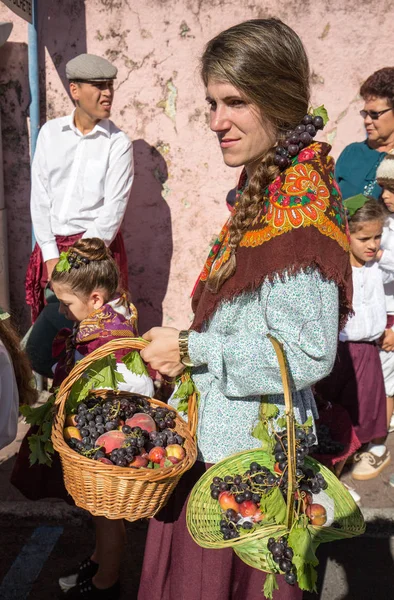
[[113, 320], [301, 225]]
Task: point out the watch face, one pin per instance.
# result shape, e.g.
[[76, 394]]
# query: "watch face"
[[186, 361]]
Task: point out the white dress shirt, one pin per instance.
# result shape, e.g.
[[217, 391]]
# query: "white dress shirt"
[[80, 183], [369, 319], [9, 399], [387, 261]]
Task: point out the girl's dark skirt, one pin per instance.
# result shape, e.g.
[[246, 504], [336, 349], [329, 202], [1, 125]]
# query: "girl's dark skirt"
[[356, 382], [176, 568]]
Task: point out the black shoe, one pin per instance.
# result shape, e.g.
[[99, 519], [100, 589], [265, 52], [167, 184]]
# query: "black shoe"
[[85, 570], [88, 591]]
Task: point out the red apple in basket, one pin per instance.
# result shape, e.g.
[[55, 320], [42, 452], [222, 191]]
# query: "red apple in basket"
[[316, 513], [157, 454], [176, 450], [248, 508], [227, 500], [258, 516]]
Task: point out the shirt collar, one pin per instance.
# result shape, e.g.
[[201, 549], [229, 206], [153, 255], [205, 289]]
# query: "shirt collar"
[[102, 126]]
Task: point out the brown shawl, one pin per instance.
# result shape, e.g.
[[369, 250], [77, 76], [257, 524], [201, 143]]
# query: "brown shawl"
[[301, 225]]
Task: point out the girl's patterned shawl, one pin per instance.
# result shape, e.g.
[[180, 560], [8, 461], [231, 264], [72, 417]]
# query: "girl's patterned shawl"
[[111, 321], [301, 225]]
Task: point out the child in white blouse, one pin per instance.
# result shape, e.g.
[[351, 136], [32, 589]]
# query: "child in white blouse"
[[385, 178], [356, 381]]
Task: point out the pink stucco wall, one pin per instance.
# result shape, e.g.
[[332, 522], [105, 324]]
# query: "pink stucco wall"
[[178, 200]]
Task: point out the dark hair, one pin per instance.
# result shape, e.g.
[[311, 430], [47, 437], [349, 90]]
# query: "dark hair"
[[20, 362], [100, 272], [371, 211], [380, 84], [266, 61]]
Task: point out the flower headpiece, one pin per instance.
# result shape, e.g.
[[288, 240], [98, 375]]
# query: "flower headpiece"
[[70, 260]]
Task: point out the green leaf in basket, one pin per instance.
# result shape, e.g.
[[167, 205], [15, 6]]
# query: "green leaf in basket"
[[183, 391], [261, 433], [301, 541], [183, 406], [273, 506], [39, 450], [101, 374], [306, 574], [268, 411], [281, 422], [39, 414], [270, 585], [134, 363]]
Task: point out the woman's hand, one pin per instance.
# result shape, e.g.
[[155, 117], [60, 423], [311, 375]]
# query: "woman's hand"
[[387, 340], [163, 351]]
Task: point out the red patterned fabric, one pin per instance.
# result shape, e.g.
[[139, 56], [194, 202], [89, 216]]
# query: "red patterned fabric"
[[37, 276], [301, 224]]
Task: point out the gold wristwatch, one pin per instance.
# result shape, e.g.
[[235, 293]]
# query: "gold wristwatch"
[[183, 341]]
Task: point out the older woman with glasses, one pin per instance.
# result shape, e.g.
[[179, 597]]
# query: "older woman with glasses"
[[356, 166]]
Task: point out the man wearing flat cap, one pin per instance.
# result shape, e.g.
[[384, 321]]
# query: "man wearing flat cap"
[[82, 174]]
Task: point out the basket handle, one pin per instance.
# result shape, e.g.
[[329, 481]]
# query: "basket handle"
[[290, 424], [108, 348]]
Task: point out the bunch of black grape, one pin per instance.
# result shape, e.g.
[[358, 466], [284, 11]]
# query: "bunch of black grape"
[[163, 438], [283, 555], [307, 480], [257, 480], [297, 139], [325, 444]]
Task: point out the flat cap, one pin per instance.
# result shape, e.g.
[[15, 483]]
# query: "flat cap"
[[89, 67]]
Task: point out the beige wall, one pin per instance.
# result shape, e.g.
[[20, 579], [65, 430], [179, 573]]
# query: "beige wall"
[[178, 200]]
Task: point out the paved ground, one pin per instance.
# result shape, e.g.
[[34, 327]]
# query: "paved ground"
[[42, 540]]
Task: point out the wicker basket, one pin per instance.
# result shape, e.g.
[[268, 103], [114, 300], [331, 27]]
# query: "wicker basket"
[[118, 492], [204, 514]]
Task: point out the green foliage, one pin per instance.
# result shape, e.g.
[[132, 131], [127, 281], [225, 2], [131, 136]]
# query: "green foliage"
[[273, 506], [134, 363], [63, 264], [101, 374], [321, 111], [270, 585], [40, 443], [301, 541]]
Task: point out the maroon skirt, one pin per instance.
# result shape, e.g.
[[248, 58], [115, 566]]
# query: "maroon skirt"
[[357, 384], [175, 567], [37, 482]]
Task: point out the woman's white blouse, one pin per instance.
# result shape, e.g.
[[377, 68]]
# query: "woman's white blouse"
[[387, 261]]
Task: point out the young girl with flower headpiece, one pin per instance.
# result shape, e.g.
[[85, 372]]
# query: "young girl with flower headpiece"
[[356, 381], [86, 282]]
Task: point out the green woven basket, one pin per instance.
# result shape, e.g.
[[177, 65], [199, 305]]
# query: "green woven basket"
[[204, 514]]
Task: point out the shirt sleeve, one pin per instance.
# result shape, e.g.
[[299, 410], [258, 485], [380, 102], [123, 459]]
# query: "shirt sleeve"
[[40, 202], [302, 313], [118, 184], [9, 400]]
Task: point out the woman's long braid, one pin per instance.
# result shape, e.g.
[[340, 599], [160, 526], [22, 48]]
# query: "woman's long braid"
[[246, 211]]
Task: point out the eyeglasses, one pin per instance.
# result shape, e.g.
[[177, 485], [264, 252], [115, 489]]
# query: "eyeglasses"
[[374, 114]]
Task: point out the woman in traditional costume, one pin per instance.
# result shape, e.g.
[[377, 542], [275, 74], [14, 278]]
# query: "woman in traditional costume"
[[279, 266]]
